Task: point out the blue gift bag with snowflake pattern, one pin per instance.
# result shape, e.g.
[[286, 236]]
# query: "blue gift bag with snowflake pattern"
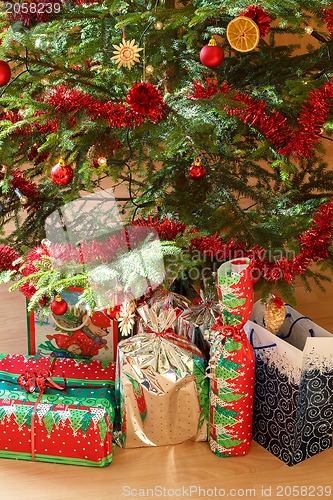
[[293, 405]]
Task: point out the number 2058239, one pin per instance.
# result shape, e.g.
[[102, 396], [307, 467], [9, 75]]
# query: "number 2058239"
[[304, 491], [33, 7]]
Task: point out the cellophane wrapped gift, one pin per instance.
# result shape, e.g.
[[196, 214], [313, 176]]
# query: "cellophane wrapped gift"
[[201, 315], [56, 410], [163, 298], [232, 364], [161, 385], [167, 299]]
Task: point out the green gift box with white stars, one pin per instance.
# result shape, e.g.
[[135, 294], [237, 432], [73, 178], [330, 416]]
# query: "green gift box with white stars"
[[58, 410]]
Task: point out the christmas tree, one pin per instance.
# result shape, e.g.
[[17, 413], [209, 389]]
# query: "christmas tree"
[[200, 110]]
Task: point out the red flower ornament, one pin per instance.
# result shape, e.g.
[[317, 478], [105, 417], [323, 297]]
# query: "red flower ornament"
[[260, 17], [145, 100]]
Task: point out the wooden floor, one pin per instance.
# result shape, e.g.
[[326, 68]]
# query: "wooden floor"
[[183, 469]]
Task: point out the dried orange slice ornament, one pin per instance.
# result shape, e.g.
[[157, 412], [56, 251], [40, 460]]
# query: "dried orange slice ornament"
[[243, 34]]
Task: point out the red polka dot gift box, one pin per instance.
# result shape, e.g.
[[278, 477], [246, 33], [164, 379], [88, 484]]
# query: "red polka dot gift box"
[[56, 410]]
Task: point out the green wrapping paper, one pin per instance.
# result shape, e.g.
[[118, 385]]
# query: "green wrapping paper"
[[161, 385]]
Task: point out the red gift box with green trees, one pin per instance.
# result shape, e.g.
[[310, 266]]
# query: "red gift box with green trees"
[[56, 410]]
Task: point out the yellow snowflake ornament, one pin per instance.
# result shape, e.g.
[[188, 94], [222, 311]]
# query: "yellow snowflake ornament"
[[127, 53]]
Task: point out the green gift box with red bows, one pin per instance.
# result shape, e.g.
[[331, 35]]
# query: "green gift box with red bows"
[[56, 410]]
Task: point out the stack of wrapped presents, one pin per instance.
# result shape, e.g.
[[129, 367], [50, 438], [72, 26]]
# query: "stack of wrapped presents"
[[218, 368]]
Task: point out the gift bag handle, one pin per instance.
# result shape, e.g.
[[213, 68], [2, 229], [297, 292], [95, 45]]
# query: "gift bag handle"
[[259, 347], [311, 332], [71, 329]]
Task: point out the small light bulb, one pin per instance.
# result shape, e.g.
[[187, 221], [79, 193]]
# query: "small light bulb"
[[24, 200], [149, 69], [308, 30], [46, 243], [101, 160], [158, 25], [44, 81]]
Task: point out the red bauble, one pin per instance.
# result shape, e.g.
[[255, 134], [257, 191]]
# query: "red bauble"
[[197, 171], [58, 306], [212, 55], [61, 173], [5, 73]]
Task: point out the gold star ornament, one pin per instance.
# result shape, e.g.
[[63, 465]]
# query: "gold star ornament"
[[126, 53]]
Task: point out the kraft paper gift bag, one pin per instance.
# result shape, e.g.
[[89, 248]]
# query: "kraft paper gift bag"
[[161, 385]]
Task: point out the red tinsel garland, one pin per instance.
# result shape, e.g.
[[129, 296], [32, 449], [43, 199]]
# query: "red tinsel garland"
[[12, 116], [272, 125], [41, 128], [29, 267], [67, 101], [315, 242], [7, 256], [314, 246], [28, 188], [214, 247], [328, 17], [166, 229], [36, 157], [300, 141], [145, 101], [313, 115]]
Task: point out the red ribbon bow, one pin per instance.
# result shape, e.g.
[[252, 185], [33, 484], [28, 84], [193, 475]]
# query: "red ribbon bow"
[[165, 333], [41, 379], [227, 330], [170, 335]]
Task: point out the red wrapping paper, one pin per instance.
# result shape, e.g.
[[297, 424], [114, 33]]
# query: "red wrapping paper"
[[232, 364], [71, 423]]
